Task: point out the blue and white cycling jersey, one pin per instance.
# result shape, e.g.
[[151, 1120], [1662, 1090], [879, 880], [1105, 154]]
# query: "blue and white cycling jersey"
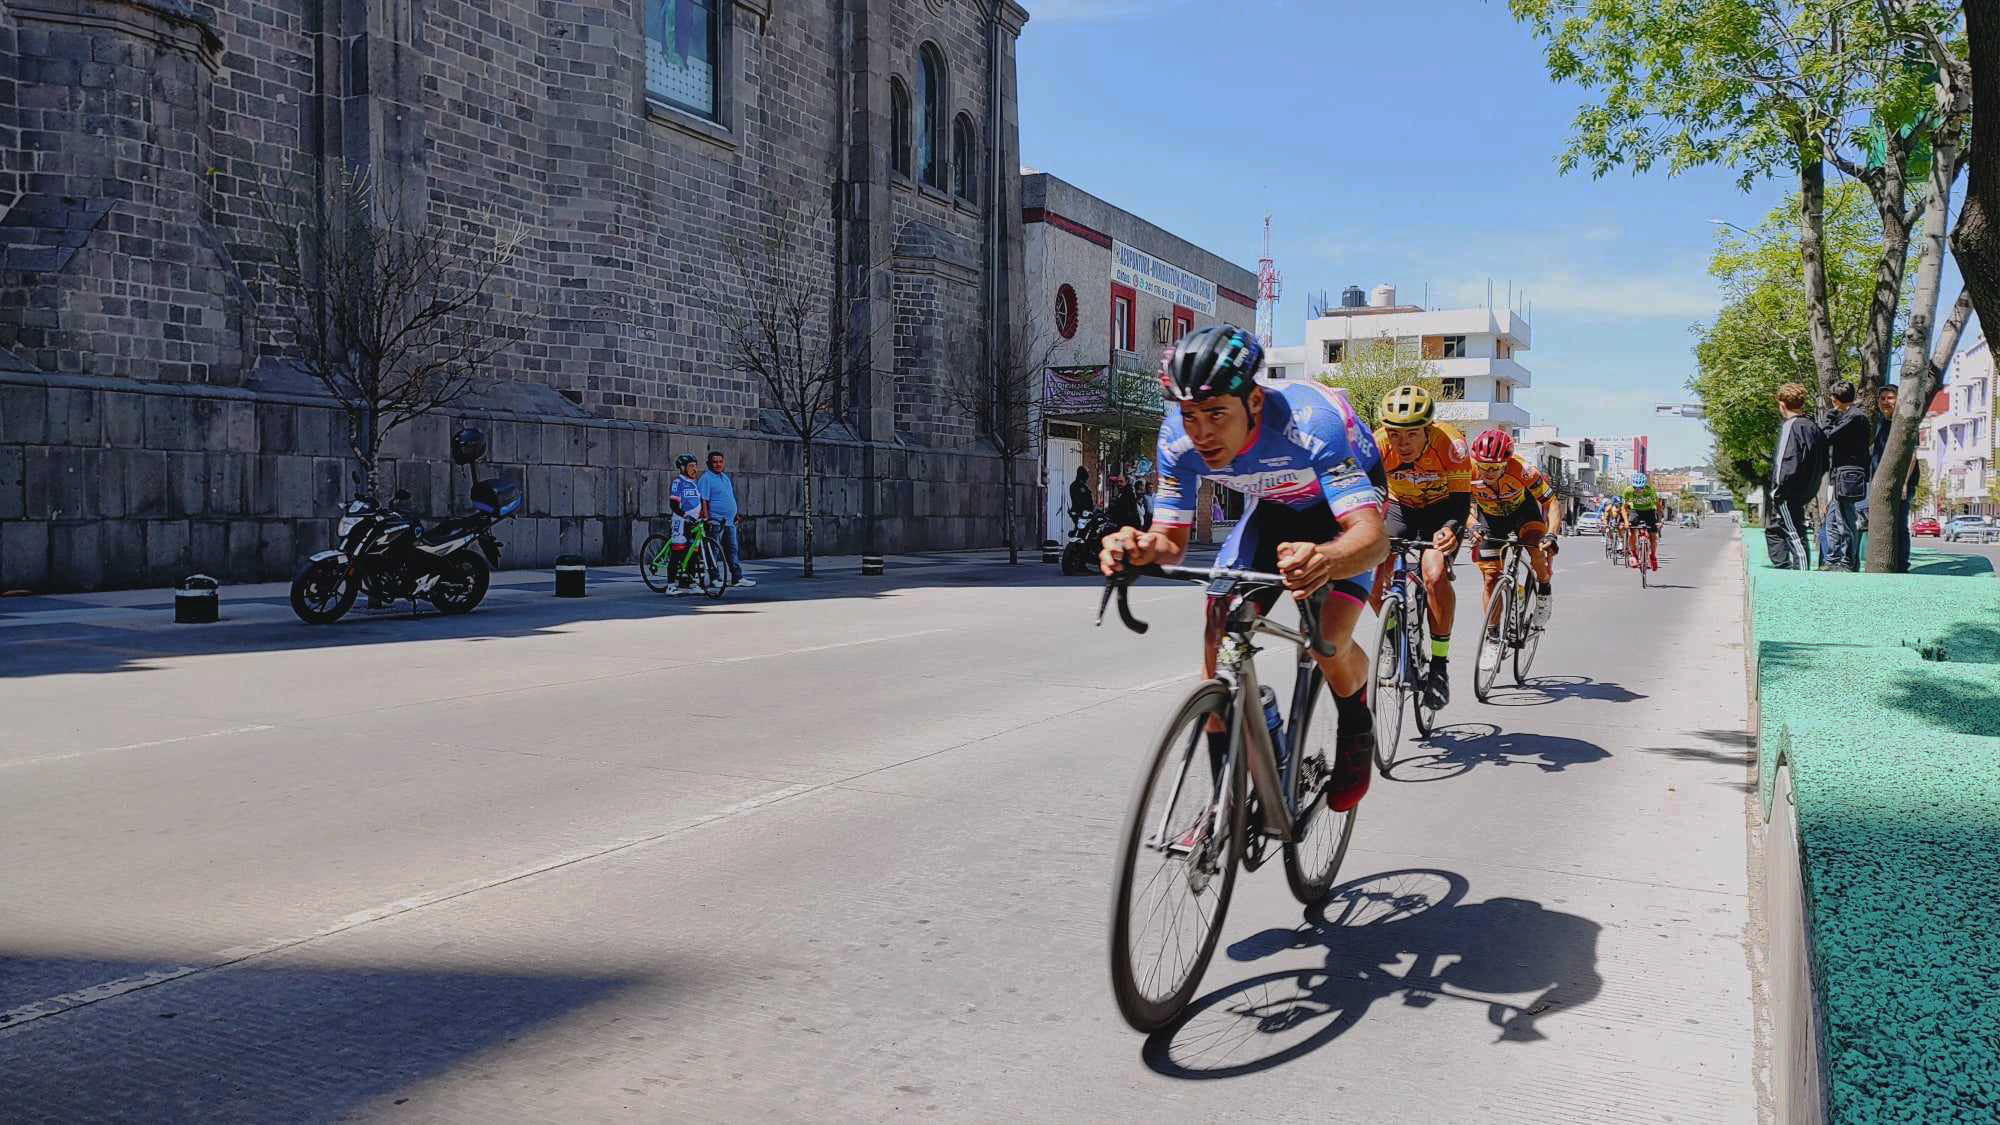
[[1309, 448]]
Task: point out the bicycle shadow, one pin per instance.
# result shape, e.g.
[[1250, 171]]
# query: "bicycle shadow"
[[1406, 931], [1463, 747], [1541, 690]]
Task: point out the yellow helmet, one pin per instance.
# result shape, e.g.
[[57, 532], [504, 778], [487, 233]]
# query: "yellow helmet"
[[1408, 407]]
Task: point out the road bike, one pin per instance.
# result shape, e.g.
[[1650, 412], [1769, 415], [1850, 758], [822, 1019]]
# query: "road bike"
[[1403, 653], [1207, 805], [1643, 553], [1614, 546], [1510, 621], [700, 564]]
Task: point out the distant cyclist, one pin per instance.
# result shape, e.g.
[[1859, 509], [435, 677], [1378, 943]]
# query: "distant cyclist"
[[1303, 457], [1642, 509], [1510, 497], [1430, 495]]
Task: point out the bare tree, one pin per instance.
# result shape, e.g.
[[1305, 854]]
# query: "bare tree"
[[393, 314], [1003, 396], [781, 330]]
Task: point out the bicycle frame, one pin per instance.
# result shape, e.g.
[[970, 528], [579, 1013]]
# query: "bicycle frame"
[[1407, 592]]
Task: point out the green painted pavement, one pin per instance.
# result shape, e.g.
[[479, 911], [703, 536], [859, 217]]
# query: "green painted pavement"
[[1896, 776]]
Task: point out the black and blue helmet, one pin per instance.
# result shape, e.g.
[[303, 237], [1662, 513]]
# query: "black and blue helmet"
[[1221, 359]]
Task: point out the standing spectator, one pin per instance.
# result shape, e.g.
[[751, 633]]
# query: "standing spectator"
[[1081, 502], [1122, 506], [1146, 504], [1895, 522], [719, 492], [1847, 454], [1796, 468]]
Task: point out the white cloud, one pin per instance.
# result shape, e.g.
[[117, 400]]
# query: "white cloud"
[[1639, 296]]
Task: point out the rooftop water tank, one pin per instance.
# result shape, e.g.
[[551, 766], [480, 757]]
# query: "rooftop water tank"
[[1352, 297], [1382, 296]]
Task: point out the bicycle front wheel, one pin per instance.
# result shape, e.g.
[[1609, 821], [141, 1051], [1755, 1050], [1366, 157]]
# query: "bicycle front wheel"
[[1493, 637], [1313, 862], [656, 560], [1177, 868], [1641, 549], [714, 579], [1390, 685]]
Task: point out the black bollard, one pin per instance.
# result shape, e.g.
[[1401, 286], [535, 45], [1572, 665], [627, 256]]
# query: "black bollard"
[[871, 565], [1051, 551], [197, 601], [569, 576]]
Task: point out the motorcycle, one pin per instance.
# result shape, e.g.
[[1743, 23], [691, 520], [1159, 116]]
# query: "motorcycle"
[[1086, 539], [387, 550]]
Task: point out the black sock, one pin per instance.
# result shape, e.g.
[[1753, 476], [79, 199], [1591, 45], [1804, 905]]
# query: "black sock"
[[1543, 589], [1353, 709]]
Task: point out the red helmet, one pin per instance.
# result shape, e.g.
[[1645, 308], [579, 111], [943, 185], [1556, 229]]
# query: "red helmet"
[[1492, 447]]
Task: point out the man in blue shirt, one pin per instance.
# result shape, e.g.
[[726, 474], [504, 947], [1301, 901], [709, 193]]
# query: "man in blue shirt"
[[720, 494]]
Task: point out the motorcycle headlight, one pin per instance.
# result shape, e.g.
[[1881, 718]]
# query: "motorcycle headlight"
[[344, 526]]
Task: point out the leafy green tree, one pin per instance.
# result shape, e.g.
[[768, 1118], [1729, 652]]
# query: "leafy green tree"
[[1761, 338], [1369, 369]]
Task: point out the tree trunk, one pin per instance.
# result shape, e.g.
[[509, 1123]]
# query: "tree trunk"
[[1891, 196], [1976, 242], [806, 456], [1007, 510], [1891, 480], [1812, 250]]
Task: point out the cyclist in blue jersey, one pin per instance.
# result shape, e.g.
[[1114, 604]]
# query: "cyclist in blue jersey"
[[1314, 475]]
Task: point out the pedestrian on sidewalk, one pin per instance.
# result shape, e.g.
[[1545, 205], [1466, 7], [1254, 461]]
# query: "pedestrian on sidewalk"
[[1123, 505], [1848, 443], [1081, 502], [1797, 464], [1896, 521], [719, 492], [1146, 504]]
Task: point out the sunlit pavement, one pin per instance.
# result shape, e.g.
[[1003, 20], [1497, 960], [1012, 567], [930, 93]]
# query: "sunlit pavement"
[[840, 850]]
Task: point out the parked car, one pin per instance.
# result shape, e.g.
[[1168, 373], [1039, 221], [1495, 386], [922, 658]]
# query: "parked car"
[[1925, 525], [1589, 523], [1972, 529]]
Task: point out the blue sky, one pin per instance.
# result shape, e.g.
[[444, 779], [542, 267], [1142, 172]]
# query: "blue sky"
[[1412, 143]]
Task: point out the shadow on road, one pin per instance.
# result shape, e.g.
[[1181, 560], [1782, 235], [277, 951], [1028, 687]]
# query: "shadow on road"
[[67, 647], [275, 1044], [1461, 747], [1548, 689], [1409, 933]]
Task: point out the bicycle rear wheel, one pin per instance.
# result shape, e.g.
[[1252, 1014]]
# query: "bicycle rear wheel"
[[1389, 687], [1529, 634], [1493, 637], [656, 560], [1177, 868], [1313, 862], [1416, 628]]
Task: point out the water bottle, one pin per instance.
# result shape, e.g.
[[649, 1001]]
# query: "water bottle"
[[1276, 721]]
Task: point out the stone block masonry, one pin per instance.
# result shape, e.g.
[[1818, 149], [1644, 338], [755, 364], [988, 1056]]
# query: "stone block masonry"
[[243, 484]]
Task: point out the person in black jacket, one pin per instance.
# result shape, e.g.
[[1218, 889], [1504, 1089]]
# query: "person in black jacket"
[[1081, 502], [1847, 450], [1797, 465]]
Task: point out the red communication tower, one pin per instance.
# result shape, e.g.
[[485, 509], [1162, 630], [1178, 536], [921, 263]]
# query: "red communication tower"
[[1268, 282]]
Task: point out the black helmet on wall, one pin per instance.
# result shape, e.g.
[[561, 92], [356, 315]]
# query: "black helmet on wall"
[[468, 445]]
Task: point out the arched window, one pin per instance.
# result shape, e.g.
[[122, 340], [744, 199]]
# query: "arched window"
[[899, 126], [930, 116], [964, 164]]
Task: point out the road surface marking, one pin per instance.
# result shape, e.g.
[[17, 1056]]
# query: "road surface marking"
[[44, 759]]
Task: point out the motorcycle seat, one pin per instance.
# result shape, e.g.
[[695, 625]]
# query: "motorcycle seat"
[[449, 529]]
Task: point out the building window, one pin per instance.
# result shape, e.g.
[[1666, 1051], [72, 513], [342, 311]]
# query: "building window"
[[1333, 351], [1454, 347], [1183, 324], [681, 51], [1503, 348], [1503, 391], [963, 163], [1454, 390], [930, 116], [899, 126], [1066, 311], [1124, 312], [1277, 372]]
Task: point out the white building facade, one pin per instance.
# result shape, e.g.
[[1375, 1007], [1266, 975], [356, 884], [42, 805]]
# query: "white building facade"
[[1957, 442], [1473, 350]]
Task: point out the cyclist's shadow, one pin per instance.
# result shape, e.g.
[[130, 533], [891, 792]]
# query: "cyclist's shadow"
[[1406, 931]]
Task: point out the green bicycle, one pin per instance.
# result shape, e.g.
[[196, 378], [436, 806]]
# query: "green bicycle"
[[701, 564]]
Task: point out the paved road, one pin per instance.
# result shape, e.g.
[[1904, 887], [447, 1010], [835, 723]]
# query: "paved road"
[[841, 852]]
